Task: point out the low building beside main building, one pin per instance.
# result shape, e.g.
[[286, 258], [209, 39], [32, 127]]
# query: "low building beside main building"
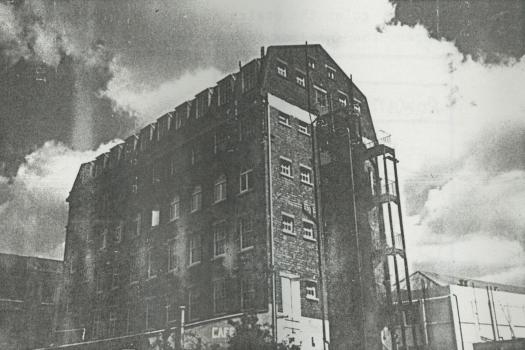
[[27, 301], [452, 313]]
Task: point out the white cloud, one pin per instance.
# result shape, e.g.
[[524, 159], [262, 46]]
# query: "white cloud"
[[33, 210], [148, 102]]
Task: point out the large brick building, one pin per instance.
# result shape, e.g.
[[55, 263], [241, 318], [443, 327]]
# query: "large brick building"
[[213, 207], [27, 300]]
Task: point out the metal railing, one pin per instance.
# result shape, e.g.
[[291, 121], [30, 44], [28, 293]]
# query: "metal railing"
[[388, 188]]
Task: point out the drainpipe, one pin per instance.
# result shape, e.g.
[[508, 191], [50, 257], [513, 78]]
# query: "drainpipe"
[[491, 315], [182, 318], [270, 218]]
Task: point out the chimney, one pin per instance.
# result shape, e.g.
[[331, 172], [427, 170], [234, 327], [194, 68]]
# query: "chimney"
[[262, 51]]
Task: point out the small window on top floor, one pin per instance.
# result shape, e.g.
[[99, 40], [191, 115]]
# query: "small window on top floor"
[[300, 78], [304, 128], [311, 290], [284, 119], [282, 69], [285, 165], [155, 218], [342, 99], [311, 63], [330, 72], [287, 223]]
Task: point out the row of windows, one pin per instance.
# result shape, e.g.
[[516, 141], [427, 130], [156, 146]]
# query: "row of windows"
[[286, 120], [157, 312], [305, 172], [288, 226], [282, 70]]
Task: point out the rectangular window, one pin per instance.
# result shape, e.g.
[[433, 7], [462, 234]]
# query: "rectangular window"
[[195, 250], [99, 280], [285, 166], [245, 180], [300, 79], [137, 221], [247, 293], [114, 276], [155, 173], [196, 199], [155, 218], [246, 234], [282, 69], [246, 129], [311, 63], [104, 239], [175, 208], [225, 88], [219, 192], [178, 121], [357, 106], [135, 185], [330, 72], [118, 232], [291, 297], [321, 97], [304, 128], [219, 239], [152, 266], [153, 314], [220, 142], [306, 175], [284, 119], [196, 155], [173, 259], [134, 269], [193, 304], [342, 99], [98, 325], [308, 229], [311, 290], [112, 329], [219, 296], [287, 223]]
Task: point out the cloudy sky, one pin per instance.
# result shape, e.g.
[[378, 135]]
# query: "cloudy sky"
[[77, 76]]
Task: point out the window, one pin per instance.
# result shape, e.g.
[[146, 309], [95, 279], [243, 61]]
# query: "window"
[[311, 63], [178, 121], [291, 297], [104, 239], [357, 106], [46, 291], [196, 199], [284, 119], [245, 180], [99, 280], [219, 192], [247, 293], [155, 218], [134, 269], [118, 232], [152, 266], [137, 221], [225, 88], [196, 155], [311, 290], [330, 72], [173, 259], [114, 276], [175, 208], [98, 326], [195, 251], [153, 314], [308, 230], [287, 223], [342, 99], [155, 174], [193, 304], [306, 175], [220, 142], [112, 323], [202, 103], [321, 97], [219, 239], [219, 296], [300, 79], [135, 185], [246, 234], [304, 128], [246, 129], [285, 166], [282, 69]]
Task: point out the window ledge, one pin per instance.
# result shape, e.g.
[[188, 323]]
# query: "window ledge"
[[218, 257], [290, 233], [286, 175], [306, 238], [151, 278], [245, 192], [304, 133], [247, 249], [219, 201], [194, 264], [312, 298], [307, 183], [288, 125]]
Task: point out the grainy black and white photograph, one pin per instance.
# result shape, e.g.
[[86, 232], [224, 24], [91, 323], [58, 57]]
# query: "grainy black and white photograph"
[[262, 175]]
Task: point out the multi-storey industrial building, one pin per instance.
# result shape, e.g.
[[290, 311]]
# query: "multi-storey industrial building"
[[214, 207], [27, 301]]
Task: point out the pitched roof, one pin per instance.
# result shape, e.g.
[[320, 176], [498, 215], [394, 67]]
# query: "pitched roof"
[[447, 280]]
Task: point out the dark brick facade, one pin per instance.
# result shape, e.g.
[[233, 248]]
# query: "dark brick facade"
[[180, 213]]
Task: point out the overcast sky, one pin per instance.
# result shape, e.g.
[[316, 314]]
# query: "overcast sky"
[[78, 75]]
